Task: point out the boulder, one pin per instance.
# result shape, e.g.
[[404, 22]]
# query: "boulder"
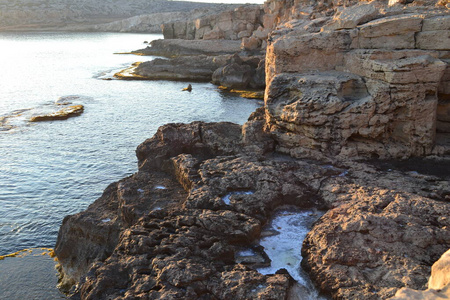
[[438, 284], [440, 273], [240, 74]]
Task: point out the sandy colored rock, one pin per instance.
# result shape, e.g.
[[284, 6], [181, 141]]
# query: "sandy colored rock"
[[440, 273], [178, 47], [62, 114], [438, 284], [227, 24], [352, 17]]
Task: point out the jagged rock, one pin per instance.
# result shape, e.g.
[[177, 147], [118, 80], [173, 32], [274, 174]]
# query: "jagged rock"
[[438, 284], [390, 244], [224, 25], [183, 246], [93, 234], [239, 74]]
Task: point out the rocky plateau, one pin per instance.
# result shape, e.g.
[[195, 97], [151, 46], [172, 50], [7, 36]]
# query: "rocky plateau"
[[355, 123]]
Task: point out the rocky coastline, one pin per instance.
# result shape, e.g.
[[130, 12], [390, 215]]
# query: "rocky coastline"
[[108, 15], [354, 123]]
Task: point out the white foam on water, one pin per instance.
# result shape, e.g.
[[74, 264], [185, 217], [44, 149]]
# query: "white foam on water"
[[226, 198], [284, 249]]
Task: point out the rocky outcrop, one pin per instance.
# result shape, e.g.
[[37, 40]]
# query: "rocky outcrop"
[[192, 68], [69, 15], [62, 114], [438, 285], [360, 89], [376, 239], [179, 237], [246, 72], [344, 89], [180, 47], [232, 24], [240, 74]]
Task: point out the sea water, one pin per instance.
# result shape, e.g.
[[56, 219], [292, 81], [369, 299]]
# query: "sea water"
[[52, 169]]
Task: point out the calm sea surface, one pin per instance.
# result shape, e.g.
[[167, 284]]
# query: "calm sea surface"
[[51, 169]]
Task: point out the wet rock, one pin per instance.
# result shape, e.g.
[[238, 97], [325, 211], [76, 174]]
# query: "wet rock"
[[188, 88], [62, 114]]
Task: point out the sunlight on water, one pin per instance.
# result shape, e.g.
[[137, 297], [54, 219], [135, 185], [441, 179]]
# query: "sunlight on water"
[[51, 169]]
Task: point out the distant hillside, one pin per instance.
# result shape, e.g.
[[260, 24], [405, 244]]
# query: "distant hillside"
[[47, 14]]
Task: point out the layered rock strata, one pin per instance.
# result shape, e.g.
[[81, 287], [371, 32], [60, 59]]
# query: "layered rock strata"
[[192, 68], [179, 47], [151, 23], [364, 82], [232, 24], [374, 89]]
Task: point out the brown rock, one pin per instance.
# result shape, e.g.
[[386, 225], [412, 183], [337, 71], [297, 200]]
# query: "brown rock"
[[62, 114]]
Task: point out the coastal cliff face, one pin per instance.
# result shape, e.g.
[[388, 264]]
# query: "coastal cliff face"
[[112, 15], [369, 81], [346, 86]]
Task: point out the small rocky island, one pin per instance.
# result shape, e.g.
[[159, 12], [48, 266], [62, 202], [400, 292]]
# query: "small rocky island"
[[355, 123]]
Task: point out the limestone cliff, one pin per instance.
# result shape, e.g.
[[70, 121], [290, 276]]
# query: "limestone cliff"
[[347, 85], [371, 80]]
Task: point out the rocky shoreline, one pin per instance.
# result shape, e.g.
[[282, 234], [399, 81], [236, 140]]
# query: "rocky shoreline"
[[355, 123]]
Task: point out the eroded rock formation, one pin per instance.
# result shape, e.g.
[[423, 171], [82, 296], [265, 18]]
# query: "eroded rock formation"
[[232, 24], [178, 236], [367, 89], [345, 87]]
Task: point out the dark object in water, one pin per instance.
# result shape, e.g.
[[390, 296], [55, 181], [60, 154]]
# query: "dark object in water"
[[188, 88]]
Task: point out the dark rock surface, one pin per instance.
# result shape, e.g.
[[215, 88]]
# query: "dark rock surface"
[[383, 230], [240, 73], [192, 68]]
